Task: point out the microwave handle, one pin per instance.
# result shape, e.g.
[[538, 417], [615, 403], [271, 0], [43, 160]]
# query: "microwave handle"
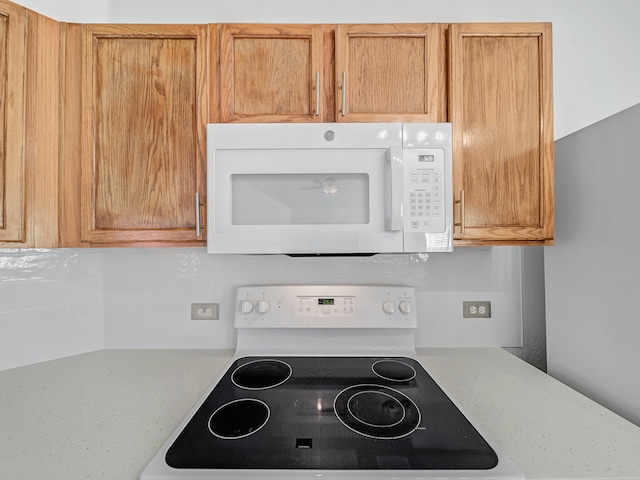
[[397, 183], [198, 205]]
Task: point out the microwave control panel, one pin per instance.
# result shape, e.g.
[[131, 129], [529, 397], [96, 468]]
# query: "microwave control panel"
[[424, 197]]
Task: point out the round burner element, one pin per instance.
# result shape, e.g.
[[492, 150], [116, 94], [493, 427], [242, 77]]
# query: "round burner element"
[[377, 411], [394, 370], [261, 374], [239, 418]]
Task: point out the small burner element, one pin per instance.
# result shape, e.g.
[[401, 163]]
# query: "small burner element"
[[261, 374], [239, 418], [377, 411], [394, 370]]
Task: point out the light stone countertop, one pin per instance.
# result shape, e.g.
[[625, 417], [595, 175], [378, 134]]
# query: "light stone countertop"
[[103, 415]]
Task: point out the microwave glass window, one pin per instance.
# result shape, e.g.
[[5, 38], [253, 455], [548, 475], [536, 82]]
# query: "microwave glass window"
[[300, 199]]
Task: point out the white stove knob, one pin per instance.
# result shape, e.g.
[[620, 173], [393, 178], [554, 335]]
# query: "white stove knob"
[[405, 307], [388, 308], [263, 306], [246, 306]]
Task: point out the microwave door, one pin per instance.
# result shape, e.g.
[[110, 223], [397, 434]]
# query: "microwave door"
[[302, 201]]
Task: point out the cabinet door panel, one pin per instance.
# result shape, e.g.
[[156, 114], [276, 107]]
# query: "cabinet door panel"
[[269, 73], [391, 72], [503, 136], [145, 129], [12, 121]]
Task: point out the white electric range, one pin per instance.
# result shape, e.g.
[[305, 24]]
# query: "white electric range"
[[325, 383]]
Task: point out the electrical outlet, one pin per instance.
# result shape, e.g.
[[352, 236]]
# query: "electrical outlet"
[[476, 309], [205, 311]]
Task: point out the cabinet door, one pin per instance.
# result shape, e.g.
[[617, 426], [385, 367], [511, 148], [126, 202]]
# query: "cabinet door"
[[271, 73], [501, 111], [144, 124], [12, 121], [389, 73]]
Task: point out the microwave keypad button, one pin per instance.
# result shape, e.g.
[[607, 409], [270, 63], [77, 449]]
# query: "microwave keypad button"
[[426, 200]]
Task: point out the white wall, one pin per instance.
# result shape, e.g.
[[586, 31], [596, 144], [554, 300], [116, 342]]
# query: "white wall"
[[596, 70], [55, 303], [593, 313], [92, 11], [51, 304]]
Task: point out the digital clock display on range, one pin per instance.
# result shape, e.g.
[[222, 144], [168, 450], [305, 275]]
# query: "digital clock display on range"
[[325, 301]]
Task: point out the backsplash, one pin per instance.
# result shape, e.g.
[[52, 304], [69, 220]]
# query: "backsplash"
[[55, 303]]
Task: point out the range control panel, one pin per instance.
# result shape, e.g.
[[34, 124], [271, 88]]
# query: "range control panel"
[[309, 306], [325, 306]]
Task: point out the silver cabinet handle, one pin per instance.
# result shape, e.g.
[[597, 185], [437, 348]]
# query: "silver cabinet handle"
[[343, 110], [317, 94], [198, 229], [461, 202]]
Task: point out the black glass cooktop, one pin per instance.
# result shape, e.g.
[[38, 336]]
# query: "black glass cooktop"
[[329, 413]]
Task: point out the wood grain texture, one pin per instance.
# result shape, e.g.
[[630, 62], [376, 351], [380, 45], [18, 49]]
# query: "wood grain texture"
[[42, 138], [214, 74], [71, 136], [393, 72], [500, 94], [144, 122], [4, 28], [328, 106], [268, 72], [12, 121]]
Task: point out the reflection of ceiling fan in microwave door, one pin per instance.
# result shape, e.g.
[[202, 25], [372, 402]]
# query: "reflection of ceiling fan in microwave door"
[[330, 186]]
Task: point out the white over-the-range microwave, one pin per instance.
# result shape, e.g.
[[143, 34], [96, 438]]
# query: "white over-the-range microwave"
[[329, 188]]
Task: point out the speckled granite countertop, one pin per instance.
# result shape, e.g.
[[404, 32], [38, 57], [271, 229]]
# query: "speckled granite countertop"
[[103, 415]]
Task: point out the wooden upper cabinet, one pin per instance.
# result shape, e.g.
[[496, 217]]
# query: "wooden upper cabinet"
[[294, 73], [29, 137], [144, 111], [12, 121], [390, 73], [270, 73], [501, 110]]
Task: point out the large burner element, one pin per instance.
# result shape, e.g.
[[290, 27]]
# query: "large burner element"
[[377, 411], [261, 374]]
